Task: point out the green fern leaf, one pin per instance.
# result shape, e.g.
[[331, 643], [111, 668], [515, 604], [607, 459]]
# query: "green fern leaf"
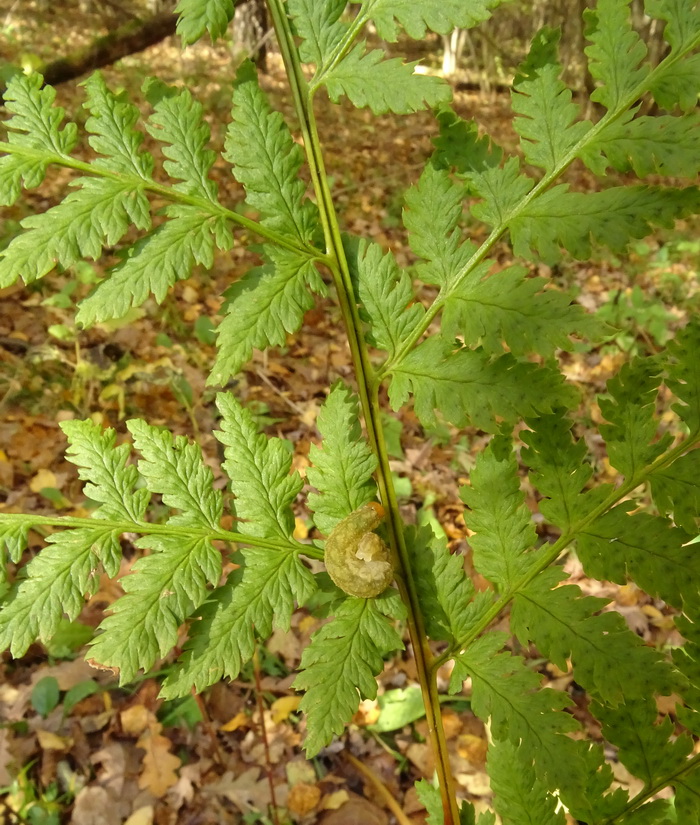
[[100, 212], [609, 661], [441, 16], [676, 490], [112, 133], [572, 220], [198, 16], [13, 542], [512, 307], [682, 30], [156, 263], [178, 122], [259, 471], [433, 208], [346, 653], [459, 145], [60, 577], [683, 375], [343, 465], [386, 293], [161, 591], [267, 161], [111, 480], [57, 582], [174, 468], [549, 124], [385, 85], [466, 386], [630, 411], [262, 593], [499, 517], [643, 746], [35, 124], [519, 796], [265, 305], [615, 53], [645, 549], [502, 190], [505, 692], [677, 84], [165, 586], [660, 145], [449, 603], [559, 468], [319, 26]]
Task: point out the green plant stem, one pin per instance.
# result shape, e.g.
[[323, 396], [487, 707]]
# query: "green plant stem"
[[449, 289], [146, 528], [648, 793], [562, 543], [367, 390], [169, 193]]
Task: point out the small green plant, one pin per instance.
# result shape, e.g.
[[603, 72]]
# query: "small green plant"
[[481, 355]]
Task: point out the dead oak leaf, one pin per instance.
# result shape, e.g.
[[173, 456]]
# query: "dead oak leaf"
[[159, 765]]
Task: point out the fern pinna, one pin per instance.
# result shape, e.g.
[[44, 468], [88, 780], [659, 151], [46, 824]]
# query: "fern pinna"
[[481, 354]]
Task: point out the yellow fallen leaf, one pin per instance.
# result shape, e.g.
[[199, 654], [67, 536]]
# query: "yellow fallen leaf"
[[42, 480], [282, 707], [49, 741], [335, 800], [159, 765], [240, 720], [135, 720], [303, 798], [301, 531], [141, 816]]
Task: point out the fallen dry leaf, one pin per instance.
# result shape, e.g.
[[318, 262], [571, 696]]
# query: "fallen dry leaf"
[[141, 816], [94, 804], [303, 798], [240, 720], [49, 741], [136, 719], [159, 765], [282, 707]]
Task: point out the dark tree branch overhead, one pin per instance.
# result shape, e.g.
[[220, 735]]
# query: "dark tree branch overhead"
[[130, 38]]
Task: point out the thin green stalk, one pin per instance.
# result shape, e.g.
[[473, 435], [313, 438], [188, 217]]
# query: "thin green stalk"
[[146, 528], [562, 543], [480, 254], [169, 193], [367, 389]]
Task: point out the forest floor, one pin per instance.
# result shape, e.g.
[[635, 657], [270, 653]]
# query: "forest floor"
[[98, 753]]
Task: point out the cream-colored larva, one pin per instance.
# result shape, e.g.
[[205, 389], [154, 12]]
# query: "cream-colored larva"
[[357, 559]]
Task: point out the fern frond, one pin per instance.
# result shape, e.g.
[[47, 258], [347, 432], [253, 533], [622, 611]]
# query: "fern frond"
[[467, 386], [676, 491], [630, 411], [441, 16], [499, 517], [615, 52], [608, 660], [267, 161], [259, 471], [178, 122], [509, 306], [198, 16], [450, 605], [346, 653], [35, 124], [320, 28], [549, 125], [265, 305], [560, 471], [683, 375], [342, 467], [572, 220], [259, 595], [385, 85], [682, 30], [386, 293], [112, 133], [519, 796], [433, 209], [189, 237], [644, 548]]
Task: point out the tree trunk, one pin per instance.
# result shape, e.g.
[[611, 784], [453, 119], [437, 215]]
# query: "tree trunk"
[[133, 37]]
